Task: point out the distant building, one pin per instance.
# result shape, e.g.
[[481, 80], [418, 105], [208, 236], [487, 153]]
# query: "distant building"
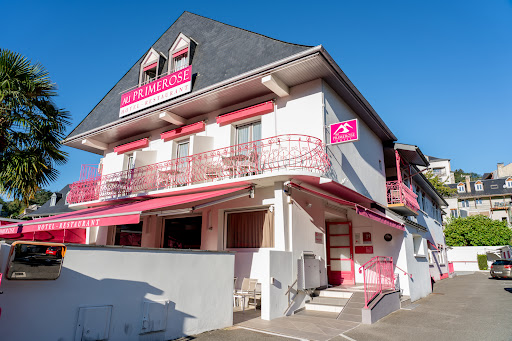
[[489, 197], [57, 204], [502, 171], [441, 168]]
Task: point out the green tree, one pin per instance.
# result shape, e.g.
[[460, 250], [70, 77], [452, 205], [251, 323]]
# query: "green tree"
[[477, 230], [439, 185], [460, 175], [31, 127]]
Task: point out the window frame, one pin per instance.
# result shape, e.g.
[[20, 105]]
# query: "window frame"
[[461, 188], [244, 210], [479, 186]]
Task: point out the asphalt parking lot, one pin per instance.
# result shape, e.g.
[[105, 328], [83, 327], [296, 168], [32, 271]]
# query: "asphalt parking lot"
[[468, 307]]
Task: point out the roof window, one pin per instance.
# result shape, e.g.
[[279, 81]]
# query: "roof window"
[[508, 183], [179, 54], [479, 186], [461, 188], [149, 67]]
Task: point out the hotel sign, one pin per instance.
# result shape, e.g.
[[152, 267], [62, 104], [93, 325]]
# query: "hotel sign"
[[346, 131], [160, 90]]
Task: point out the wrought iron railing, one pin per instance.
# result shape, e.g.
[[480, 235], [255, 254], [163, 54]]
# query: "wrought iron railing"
[[283, 152], [399, 193], [378, 276]]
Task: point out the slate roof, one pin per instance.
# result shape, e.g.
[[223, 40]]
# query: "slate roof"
[[488, 190], [222, 52], [60, 206]]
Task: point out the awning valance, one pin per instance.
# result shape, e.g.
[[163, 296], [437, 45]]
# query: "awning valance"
[[128, 213], [361, 210]]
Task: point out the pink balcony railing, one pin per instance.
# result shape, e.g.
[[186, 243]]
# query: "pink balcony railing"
[[378, 276], [399, 193], [283, 152]]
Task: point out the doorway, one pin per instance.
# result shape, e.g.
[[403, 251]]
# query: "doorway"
[[182, 233], [340, 254]]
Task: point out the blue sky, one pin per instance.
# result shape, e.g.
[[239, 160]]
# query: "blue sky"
[[437, 72]]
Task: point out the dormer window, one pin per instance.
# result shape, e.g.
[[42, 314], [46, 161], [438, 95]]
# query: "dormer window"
[[53, 199], [179, 54], [508, 183], [461, 188], [149, 67], [479, 186]]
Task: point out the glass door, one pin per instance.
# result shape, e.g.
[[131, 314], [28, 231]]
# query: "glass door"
[[340, 259]]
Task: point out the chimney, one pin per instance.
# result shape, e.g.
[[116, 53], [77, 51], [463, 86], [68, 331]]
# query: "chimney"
[[468, 185], [499, 170]]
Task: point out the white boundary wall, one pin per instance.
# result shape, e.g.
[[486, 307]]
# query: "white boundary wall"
[[197, 284], [464, 258]]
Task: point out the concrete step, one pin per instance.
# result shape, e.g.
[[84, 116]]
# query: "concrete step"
[[324, 307], [405, 301], [329, 300], [333, 293], [314, 313]]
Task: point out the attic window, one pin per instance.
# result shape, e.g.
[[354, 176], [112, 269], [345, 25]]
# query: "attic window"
[[149, 73], [461, 188], [53, 199], [149, 67], [494, 186], [180, 60], [508, 183], [479, 186], [179, 54]]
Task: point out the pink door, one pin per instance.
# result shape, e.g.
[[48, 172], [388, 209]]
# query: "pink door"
[[340, 260]]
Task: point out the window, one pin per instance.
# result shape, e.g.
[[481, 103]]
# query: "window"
[[149, 74], [453, 213], [130, 161], [53, 199], [128, 235], [494, 186], [179, 54], [439, 172], [464, 203], [248, 133], [180, 61], [182, 148], [419, 246], [250, 229], [479, 186], [461, 188], [508, 183], [478, 201], [149, 67]]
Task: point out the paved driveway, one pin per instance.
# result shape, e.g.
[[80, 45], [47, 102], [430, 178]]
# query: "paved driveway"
[[469, 307]]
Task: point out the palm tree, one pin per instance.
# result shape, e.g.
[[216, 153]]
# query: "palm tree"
[[31, 127]]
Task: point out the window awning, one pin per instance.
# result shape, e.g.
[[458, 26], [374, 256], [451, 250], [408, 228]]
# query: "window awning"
[[122, 214], [361, 210]]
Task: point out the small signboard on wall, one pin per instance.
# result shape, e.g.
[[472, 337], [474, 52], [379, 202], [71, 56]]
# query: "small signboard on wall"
[[319, 238], [367, 238], [346, 131], [364, 249]]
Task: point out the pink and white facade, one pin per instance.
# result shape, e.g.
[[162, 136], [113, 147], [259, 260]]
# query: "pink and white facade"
[[281, 160]]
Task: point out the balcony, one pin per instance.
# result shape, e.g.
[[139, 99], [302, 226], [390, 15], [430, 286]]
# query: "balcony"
[[401, 198], [279, 153]]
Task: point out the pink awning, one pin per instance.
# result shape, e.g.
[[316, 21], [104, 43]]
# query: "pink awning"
[[128, 147], [361, 210], [122, 214], [242, 114], [180, 52], [149, 67], [183, 131]]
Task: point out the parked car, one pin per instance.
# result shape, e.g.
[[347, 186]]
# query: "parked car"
[[501, 268]]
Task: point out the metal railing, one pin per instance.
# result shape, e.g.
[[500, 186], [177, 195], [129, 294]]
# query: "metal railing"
[[399, 193], [378, 276], [283, 152]]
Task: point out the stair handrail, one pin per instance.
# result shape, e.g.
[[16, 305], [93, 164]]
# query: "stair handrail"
[[405, 272]]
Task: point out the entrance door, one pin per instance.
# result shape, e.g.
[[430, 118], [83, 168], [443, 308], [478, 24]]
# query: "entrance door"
[[340, 260]]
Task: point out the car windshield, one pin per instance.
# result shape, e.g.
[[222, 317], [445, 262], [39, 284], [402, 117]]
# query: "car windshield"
[[502, 262]]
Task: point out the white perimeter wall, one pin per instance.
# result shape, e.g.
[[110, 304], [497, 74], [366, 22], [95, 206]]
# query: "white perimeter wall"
[[464, 258], [199, 286], [358, 162]]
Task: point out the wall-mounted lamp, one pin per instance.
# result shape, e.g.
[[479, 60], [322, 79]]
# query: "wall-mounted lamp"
[[388, 237]]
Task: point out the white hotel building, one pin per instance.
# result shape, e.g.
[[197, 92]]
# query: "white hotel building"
[[218, 139]]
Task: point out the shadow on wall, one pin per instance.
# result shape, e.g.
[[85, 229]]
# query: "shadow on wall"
[[352, 177], [62, 299]]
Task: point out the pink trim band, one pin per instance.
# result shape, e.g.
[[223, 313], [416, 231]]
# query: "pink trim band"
[[179, 53], [150, 67], [183, 131], [128, 147], [255, 110]]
